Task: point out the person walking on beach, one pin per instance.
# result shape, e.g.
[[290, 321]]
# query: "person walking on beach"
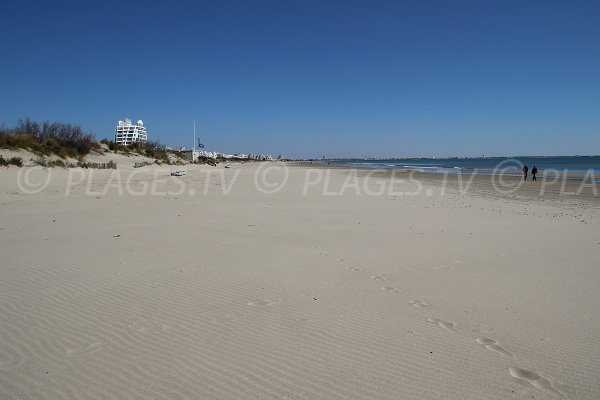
[[525, 170], [533, 172]]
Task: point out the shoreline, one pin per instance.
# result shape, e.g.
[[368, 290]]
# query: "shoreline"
[[578, 175], [564, 188]]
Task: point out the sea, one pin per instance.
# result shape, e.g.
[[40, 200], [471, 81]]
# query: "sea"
[[576, 165]]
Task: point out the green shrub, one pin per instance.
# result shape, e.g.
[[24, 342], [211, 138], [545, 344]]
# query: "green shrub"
[[17, 161], [57, 163], [41, 162], [64, 140]]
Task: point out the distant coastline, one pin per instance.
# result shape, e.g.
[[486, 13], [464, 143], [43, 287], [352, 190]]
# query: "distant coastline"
[[482, 165], [446, 158]]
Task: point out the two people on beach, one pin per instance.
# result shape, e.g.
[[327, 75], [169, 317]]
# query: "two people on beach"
[[534, 171]]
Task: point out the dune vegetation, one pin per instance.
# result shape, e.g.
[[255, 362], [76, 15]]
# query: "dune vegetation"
[[65, 140], [48, 138]]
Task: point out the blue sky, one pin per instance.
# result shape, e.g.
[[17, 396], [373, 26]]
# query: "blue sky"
[[313, 78]]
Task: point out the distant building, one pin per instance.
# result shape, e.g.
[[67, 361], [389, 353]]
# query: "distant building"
[[193, 155], [260, 157], [126, 133]]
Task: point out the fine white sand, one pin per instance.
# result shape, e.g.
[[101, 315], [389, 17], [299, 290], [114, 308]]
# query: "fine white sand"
[[202, 295]]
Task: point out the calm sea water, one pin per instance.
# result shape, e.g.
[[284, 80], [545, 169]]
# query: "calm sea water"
[[483, 165]]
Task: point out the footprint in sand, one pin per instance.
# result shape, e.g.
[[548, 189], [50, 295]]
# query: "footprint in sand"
[[12, 363], [90, 348], [262, 302], [449, 326], [379, 277], [10, 357], [493, 345], [226, 317], [390, 289], [535, 379], [354, 269], [417, 303], [443, 266]]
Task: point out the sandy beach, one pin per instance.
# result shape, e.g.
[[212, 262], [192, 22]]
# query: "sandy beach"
[[268, 281]]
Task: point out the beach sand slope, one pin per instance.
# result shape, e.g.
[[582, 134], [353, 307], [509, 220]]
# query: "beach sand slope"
[[196, 294]]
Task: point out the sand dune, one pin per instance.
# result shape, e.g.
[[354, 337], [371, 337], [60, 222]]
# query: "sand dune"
[[201, 295]]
